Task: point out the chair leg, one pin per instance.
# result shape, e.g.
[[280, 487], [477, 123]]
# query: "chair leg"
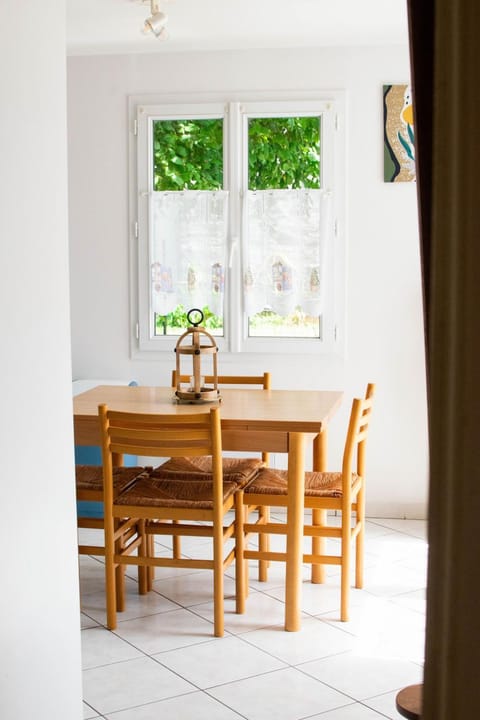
[[119, 577], [120, 588], [345, 567], [150, 568], [218, 609], [360, 540], [241, 565], [263, 543], [177, 544], [143, 570], [319, 518], [110, 577], [359, 553]]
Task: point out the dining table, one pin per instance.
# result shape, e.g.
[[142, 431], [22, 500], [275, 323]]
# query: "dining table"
[[278, 421]]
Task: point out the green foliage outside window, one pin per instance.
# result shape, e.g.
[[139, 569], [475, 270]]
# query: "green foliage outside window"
[[176, 322], [188, 155], [283, 153]]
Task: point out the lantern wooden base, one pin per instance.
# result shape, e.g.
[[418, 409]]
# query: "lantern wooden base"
[[206, 395]]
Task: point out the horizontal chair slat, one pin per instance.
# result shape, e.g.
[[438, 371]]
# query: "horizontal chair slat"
[[282, 557], [264, 527], [322, 559], [150, 420], [91, 550], [184, 529], [159, 450], [153, 513], [90, 523], [165, 562], [173, 436], [332, 532], [265, 555]]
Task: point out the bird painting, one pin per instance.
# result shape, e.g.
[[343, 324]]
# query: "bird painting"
[[399, 134]]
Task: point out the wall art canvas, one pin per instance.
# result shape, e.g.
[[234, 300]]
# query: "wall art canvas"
[[399, 134]]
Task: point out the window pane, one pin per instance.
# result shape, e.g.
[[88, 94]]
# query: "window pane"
[[283, 152], [287, 235], [283, 273], [188, 154]]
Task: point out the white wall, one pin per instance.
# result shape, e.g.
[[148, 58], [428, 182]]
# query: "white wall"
[[40, 668], [384, 315]]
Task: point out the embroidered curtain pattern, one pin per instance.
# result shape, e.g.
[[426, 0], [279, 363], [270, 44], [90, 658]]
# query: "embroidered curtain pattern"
[[189, 233], [286, 240]]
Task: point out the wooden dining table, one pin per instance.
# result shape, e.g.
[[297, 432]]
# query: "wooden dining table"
[[280, 421]]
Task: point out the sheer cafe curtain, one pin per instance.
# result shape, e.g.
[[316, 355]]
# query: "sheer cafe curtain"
[[287, 233], [284, 256], [189, 235]]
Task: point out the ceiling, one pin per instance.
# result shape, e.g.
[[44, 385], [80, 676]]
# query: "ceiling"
[[114, 26]]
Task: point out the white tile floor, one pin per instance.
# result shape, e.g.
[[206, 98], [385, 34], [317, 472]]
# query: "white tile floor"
[[163, 661]]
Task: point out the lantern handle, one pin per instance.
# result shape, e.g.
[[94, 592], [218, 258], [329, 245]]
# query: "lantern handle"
[[195, 310]]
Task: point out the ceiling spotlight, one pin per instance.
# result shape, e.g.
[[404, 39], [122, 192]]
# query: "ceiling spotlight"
[[157, 21]]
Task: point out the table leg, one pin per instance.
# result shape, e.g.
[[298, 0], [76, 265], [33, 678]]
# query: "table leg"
[[319, 517], [296, 485]]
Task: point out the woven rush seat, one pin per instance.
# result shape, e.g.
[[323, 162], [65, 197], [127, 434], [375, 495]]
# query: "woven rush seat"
[[89, 478], [236, 470], [317, 484], [164, 492]]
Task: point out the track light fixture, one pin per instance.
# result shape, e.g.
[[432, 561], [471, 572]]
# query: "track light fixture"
[[157, 21]]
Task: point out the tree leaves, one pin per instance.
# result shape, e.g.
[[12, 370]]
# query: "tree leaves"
[[188, 155], [283, 152]]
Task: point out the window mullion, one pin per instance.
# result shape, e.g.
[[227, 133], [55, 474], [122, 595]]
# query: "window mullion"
[[234, 299]]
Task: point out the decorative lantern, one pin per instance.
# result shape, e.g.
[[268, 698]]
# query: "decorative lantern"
[[195, 343]]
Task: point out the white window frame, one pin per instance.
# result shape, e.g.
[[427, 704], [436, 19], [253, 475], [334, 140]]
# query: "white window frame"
[[236, 113]]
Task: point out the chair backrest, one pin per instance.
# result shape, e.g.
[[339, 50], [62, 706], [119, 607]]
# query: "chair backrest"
[[147, 434], [184, 435], [262, 380], [357, 433]]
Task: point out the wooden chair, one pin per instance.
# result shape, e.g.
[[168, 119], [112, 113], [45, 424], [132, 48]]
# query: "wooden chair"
[[89, 491], [261, 381], [197, 507], [342, 491], [239, 469], [89, 484]]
